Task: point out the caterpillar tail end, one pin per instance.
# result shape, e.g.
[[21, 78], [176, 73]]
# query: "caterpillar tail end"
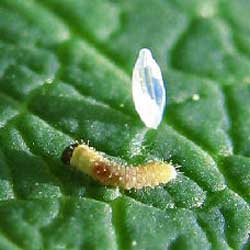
[[67, 153]]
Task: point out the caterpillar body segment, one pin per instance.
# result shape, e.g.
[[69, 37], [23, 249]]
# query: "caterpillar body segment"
[[111, 173]]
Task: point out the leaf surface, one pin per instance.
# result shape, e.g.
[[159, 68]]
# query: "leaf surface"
[[65, 71]]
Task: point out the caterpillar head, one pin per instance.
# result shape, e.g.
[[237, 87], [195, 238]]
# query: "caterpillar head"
[[67, 153]]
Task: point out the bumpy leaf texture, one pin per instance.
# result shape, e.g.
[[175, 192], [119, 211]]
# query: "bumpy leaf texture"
[[65, 68]]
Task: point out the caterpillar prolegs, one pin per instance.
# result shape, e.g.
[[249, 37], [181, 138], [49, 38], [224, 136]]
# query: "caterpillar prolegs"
[[111, 173]]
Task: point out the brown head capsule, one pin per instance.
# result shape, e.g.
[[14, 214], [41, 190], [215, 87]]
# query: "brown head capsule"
[[67, 153]]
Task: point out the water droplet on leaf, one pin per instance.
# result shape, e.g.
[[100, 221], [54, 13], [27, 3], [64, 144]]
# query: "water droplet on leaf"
[[196, 97]]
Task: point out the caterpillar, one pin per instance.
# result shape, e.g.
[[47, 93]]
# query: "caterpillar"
[[111, 173]]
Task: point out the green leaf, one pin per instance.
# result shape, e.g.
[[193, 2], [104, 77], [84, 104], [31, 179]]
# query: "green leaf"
[[65, 71]]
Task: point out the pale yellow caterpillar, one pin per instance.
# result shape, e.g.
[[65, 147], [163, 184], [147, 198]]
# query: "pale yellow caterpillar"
[[111, 173]]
